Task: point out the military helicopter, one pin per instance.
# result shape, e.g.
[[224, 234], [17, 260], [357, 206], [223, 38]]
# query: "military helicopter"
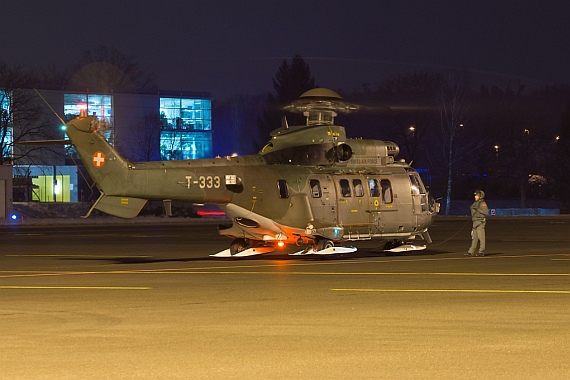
[[310, 186]]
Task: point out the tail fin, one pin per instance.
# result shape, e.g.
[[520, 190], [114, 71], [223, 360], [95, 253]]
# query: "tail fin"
[[105, 166]]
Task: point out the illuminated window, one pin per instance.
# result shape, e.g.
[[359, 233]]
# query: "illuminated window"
[[7, 142], [100, 106], [187, 114], [186, 128], [184, 145], [95, 105]]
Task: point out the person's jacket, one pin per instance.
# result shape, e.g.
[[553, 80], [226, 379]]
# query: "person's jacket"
[[479, 210]]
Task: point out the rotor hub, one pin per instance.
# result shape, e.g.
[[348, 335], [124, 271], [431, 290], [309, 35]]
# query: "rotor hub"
[[321, 106]]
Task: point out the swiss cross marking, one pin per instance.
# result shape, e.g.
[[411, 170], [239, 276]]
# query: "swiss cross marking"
[[98, 159]]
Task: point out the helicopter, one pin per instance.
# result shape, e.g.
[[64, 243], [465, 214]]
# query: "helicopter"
[[310, 186]]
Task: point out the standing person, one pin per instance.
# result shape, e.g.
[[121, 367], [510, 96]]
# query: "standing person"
[[479, 211]]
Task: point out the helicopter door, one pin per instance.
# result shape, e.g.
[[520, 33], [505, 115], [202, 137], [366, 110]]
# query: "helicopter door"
[[323, 199], [352, 202], [419, 194], [381, 204]]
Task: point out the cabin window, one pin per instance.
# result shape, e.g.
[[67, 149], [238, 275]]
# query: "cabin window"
[[374, 188], [315, 188], [344, 188], [283, 189], [358, 188], [386, 186]]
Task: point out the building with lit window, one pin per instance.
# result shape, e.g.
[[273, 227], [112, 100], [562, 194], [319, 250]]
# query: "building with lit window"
[[148, 126], [186, 128], [6, 147]]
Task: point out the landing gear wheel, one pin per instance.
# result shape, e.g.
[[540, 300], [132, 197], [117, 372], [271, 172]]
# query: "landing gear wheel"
[[239, 245], [324, 244]]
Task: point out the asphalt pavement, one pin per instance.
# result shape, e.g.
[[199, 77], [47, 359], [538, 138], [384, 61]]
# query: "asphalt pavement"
[[146, 301]]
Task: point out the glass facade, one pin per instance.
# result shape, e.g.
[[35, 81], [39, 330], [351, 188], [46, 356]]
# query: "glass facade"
[[186, 114], [184, 145], [186, 122], [6, 144], [186, 128], [185, 133], [100, 106]]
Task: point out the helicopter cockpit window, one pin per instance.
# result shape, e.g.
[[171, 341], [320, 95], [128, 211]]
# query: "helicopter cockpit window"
[[315, 188], [344, 188], [374, 189], [358, 188], [417, 185], [386, 191], [419, 189], [283, 190]]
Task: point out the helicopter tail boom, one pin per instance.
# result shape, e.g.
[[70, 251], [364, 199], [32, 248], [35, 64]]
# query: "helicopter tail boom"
[[105, 166]]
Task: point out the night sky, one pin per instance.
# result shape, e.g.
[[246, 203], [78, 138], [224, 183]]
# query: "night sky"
[[235, 47]]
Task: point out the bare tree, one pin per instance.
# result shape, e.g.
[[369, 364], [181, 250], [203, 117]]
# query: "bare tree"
[[236, 124], [170, 147], [53, 75], [108, 69], [147, 138], [521, 128], [458, 138], [524, 150], [413, 107], [21, 116]]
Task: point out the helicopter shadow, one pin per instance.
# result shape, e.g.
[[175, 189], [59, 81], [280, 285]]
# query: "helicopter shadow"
[[360, 254]]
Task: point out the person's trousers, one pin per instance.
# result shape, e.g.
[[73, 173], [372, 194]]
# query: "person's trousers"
[[478, 237]]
